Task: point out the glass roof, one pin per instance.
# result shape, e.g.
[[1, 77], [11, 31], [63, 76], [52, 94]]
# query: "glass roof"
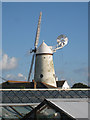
[[14, 112]]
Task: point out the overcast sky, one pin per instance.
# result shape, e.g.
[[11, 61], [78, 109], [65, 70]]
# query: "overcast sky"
[[19, 24]]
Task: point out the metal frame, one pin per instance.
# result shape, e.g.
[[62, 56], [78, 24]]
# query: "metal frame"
[[11, 106], [85, 89]]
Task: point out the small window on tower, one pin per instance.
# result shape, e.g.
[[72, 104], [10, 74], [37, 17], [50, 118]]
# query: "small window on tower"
[[41, 75]]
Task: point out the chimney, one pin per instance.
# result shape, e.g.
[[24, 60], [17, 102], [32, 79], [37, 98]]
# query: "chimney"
[[35, 84]]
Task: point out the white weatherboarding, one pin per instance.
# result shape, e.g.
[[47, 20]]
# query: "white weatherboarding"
[[43, 55]]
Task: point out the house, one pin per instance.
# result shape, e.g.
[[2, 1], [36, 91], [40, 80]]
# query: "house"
[[11, 84], [47, 110], [60, 109], [63, 84]]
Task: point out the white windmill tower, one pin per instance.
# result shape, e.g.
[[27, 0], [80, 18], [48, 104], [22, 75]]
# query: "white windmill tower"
[[43, 55]]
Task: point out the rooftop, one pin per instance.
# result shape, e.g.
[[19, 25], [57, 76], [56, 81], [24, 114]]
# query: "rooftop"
[[44, 48], [66, 109], [10, 84], [38, 95], [76, 107]]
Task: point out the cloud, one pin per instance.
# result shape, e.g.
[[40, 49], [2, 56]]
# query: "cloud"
[[15, 77], [10, 76], [8, 63], [21, 76]]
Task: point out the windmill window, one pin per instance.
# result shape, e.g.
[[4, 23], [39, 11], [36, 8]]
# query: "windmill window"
[[44, 57], [41, 75]]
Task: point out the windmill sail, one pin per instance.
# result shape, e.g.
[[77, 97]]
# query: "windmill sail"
[[31, 68], [38, 31], [35, 44]]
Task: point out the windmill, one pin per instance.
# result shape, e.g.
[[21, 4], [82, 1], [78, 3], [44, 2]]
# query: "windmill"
[[43, 55]]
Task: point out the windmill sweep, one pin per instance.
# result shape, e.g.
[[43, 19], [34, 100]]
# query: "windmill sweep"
[[43, 56]]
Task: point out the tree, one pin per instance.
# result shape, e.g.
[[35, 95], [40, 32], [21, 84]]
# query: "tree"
[[79, 85]]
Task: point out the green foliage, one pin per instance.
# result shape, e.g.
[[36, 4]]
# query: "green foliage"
[[79, 85], [22, 87]]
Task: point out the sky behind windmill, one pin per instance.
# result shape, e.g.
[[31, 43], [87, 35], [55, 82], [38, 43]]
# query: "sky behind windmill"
[[19, 24]]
